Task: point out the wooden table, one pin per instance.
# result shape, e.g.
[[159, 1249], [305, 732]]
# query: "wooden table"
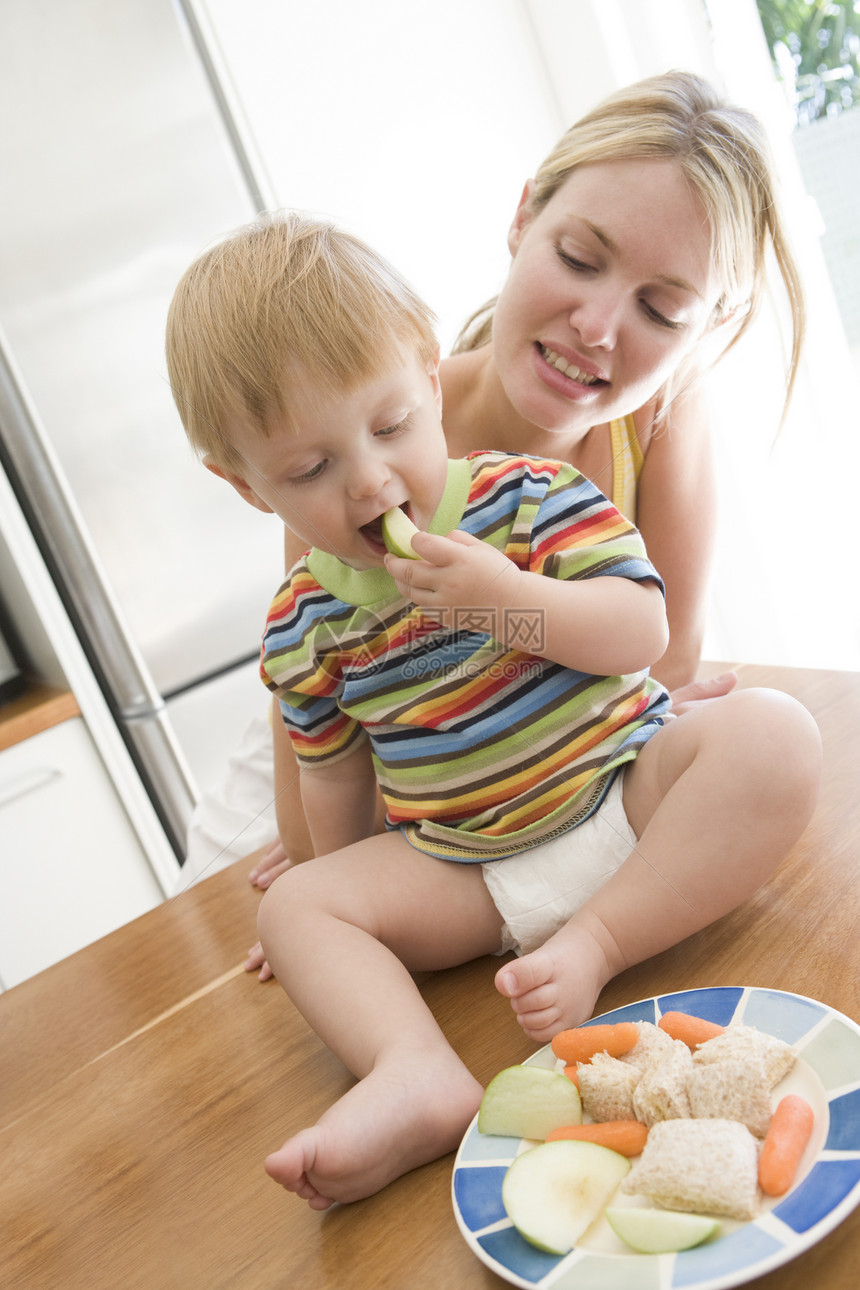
[[143, 1080]]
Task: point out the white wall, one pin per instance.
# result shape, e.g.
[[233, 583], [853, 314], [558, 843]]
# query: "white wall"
[[783, 588], [413, 124]]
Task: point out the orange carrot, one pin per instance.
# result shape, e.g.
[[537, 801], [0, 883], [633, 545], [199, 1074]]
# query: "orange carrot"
[[572, 1074], [693, 1030], [581, 1044], [787, 1136], [627, 1137]]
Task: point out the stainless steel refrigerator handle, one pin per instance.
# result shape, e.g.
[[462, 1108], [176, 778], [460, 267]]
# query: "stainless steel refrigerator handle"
[[60, 528], [60, 531], [229, 108]]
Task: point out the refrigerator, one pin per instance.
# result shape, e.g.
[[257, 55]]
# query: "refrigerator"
[[121, 157]]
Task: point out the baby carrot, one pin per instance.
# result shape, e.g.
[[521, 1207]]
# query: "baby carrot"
[[573, 1074], [581, 1044], [693, 1030], [627, 1137], [787, 1136]]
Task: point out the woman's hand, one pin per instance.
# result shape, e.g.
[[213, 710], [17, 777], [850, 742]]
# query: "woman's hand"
[[257, 959], [272, 863], [686, 697]]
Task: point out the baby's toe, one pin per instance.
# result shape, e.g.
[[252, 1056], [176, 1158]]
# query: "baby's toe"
[[541, 1024], [525, 975]]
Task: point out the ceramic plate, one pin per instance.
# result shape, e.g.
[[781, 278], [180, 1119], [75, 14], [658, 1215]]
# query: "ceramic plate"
[[827, 1188]]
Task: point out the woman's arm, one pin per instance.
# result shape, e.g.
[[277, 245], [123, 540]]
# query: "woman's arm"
[[676, 514], [343, 801], [292, 825], [340, 800], [289, 808]]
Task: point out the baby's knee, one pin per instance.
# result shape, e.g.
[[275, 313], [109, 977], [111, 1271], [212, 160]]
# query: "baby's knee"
[[780, 740], [786, 724], [288, 900]]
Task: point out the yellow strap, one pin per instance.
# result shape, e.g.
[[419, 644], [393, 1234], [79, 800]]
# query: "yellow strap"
[[627, 459]]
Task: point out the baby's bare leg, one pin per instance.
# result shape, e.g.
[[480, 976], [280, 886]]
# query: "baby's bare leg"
[[343, 934], [717, 799]]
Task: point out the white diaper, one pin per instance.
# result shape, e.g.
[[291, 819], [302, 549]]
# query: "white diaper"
[[537, 890]]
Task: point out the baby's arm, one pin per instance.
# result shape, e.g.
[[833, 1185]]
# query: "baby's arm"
[[604, 625]]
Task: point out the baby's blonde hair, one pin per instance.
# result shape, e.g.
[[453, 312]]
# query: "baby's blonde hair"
[[286, 297], [723, 153]]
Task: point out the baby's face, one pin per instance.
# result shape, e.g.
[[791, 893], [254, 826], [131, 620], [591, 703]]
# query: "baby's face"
[[349, 457]]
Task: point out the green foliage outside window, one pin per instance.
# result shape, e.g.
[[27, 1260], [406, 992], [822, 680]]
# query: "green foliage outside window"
[[815, 46]]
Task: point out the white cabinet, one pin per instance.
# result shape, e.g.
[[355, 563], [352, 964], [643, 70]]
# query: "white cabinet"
[[71, 869], [82, 849]]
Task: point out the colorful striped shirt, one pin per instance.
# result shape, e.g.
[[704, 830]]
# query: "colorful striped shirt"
[[480, 750]]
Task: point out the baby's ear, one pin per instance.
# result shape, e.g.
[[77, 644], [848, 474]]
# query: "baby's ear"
[[433, 373], [241, 485]]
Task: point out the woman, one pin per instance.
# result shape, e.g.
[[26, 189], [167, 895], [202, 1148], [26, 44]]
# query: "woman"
[[592, 350]]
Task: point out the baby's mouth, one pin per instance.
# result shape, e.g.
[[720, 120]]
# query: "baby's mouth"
[[372, 531], [372, 534]]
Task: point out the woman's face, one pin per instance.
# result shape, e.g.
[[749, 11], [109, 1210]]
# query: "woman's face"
[[610, 287]]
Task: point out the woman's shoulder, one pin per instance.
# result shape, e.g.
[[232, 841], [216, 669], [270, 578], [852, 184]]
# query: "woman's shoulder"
[[683, 417], [645, 422], [462, 403]]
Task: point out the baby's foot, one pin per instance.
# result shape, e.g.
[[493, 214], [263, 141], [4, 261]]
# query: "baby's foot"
[[405, 1113], [557, 985]]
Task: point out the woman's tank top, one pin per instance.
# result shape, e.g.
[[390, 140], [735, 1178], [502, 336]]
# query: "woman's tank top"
[[627, 459]]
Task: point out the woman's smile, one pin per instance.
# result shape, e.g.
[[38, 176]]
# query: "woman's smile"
[[573, 378]]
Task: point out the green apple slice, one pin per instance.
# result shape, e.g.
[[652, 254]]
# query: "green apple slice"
[[528, 1102], [660, 1231], [555, 1191], [398, 532]]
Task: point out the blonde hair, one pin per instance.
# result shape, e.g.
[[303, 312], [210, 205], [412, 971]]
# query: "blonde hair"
[[286, 296], [724, 155]]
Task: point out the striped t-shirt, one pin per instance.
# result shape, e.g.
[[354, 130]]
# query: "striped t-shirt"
[[480, 750]]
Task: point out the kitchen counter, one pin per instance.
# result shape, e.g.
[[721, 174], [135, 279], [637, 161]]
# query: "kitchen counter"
[[144, 1079]]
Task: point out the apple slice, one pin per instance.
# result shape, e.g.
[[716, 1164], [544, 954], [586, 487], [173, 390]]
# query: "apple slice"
[[660, 1231], [398, 532], [555, 1191], [528, 1102]]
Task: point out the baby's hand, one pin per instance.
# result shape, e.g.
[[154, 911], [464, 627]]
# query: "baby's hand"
[[454, 572]]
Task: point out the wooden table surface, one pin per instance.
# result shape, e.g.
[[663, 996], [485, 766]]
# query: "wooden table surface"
[[144, 1079]]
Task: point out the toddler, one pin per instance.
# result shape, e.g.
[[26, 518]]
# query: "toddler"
[[539, 796]]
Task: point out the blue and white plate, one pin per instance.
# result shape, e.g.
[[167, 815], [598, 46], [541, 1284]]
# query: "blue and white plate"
[[827, 1188]]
